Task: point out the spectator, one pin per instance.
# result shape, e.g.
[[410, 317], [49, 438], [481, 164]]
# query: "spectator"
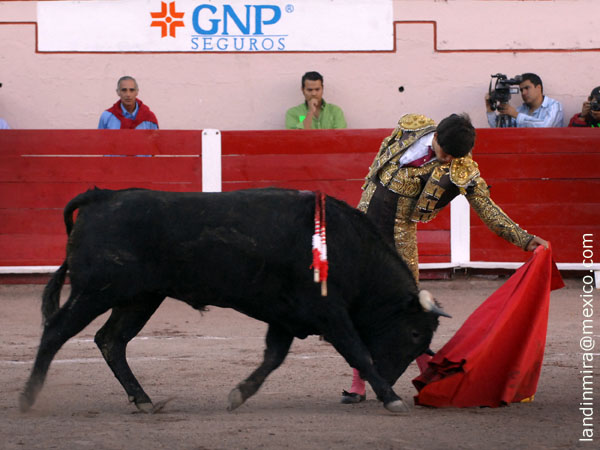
[[590, 112], [314, 113], [537, 110], [3, 123], [129, 111], [436, 166]]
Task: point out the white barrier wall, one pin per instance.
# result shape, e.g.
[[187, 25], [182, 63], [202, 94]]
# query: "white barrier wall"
[[445, 52]]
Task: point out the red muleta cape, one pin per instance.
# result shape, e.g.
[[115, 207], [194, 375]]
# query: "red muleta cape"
[[495, 358], [143, 115]]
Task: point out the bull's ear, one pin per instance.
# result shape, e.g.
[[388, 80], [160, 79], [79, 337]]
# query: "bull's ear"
[[429, 304]]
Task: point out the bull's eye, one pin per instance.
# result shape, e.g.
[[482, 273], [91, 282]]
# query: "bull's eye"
[[415, 334]]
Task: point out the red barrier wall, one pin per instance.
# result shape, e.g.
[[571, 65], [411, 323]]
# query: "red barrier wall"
[[547, 180], [333, 161], [544, 179], [36, 184]]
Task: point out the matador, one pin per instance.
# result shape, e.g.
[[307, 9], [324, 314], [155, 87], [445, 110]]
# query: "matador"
[[418, 170], [416, 173]]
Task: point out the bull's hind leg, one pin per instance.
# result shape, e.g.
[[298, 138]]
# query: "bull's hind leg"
[[124, 323], [69, 320], [278, 346]]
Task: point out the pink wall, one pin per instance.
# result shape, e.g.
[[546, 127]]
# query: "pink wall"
[[443, 61]]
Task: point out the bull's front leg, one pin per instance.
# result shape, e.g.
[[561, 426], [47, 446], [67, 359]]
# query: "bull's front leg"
[[278, 345], [344, 337]]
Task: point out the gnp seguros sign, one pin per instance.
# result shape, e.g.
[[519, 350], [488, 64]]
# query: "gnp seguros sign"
[[214, 26]]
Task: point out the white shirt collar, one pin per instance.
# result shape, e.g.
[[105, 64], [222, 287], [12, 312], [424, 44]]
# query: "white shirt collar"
[[416, 151]]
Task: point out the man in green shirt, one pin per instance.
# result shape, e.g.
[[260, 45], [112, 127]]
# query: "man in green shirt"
[[314, 113]]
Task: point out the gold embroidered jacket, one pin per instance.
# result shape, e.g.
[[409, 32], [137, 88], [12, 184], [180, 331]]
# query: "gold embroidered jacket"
[[424, 191]]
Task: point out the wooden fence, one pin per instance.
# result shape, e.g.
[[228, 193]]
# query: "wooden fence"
[[547, 180]]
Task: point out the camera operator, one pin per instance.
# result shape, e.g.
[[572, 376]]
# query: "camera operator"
[[590, 112], [537, 110]]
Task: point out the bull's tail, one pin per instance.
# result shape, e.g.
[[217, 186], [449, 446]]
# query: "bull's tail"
[[51, 296], [90, 196]]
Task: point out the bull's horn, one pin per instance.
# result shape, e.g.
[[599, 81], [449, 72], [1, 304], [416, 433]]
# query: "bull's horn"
[[428, 303], [429, 352]]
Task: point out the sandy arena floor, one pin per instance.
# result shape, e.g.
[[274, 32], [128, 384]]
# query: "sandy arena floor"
[[198, 359]]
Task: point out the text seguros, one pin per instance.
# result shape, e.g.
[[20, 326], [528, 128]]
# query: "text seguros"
[[212, 28]]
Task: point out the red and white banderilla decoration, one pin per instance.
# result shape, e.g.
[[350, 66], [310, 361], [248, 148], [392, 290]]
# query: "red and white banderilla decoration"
[[319, 244]]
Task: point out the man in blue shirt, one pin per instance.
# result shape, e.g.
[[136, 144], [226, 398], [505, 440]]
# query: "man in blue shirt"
[[537, 110], [129, 112], [3, 123]]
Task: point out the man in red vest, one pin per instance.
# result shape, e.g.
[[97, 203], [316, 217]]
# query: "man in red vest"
[[129, 112]]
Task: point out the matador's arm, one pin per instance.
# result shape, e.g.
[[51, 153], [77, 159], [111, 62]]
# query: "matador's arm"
[[493, 216]]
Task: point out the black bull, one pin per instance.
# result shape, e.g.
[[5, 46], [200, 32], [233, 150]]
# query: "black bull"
[[247, 250]]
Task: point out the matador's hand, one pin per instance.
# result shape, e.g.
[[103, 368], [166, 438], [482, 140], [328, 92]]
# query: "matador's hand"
[[536, 242]]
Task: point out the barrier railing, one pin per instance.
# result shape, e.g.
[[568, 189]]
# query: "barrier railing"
[[545, 179]]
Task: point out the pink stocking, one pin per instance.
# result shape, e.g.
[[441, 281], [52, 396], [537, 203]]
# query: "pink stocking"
[[358, 384]]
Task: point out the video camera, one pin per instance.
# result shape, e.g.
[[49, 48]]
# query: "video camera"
[[502, 89]]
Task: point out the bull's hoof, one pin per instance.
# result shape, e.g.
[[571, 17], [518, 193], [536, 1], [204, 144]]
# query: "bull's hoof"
[[397, 406], [146, 408], [151, 408], [25, 403], [158, 406], [235, 399]]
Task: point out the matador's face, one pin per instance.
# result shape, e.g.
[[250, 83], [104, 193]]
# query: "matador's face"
[[440, 154]]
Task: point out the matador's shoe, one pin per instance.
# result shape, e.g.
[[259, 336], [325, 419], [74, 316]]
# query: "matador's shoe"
[[352, 397]]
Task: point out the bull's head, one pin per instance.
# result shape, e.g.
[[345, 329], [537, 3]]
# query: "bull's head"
[[410, 337]]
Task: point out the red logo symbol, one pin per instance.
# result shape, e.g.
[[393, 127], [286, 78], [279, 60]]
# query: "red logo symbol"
[[167, 21]]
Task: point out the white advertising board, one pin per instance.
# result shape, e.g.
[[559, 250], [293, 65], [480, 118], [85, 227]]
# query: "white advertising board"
[[215, 26]]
